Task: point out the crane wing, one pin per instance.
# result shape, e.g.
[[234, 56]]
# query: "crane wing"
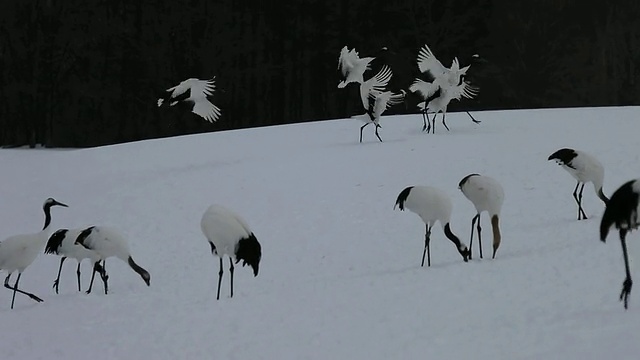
[[424, 88], [465, 90], [376, 84], [427, 62]]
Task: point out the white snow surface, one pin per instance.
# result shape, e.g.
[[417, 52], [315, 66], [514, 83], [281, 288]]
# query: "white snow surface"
[[340, 276]]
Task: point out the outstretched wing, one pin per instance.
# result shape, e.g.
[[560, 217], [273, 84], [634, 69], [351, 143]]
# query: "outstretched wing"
[[384, 100], [427, 62], [376, 84], [206, 110], [465, 90], [201, 88], [424, 88]]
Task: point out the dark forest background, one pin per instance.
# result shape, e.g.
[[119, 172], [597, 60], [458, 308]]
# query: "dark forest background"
[[78, 73]]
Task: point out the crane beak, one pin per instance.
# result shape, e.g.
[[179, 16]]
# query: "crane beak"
[[59, 203]]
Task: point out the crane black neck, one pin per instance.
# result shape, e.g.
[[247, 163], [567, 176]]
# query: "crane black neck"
[[47, 216]]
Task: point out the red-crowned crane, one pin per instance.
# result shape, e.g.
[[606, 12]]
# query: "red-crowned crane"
[[622, 212], [352, 66], [108, 242], [431, 205], [486, 194], [229, 234], [584, 168], [63, 243], [194, 92], [17, 252]]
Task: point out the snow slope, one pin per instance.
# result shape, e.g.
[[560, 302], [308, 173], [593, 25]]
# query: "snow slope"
[[340, 276]]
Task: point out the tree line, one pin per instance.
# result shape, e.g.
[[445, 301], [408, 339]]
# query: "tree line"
[[88, 72]]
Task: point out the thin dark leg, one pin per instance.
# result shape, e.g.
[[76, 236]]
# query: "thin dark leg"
[[424, 120], [96, 266], [219, 279], [426, 250], [473, 119], [362, 128], [429, 122], [231, 271], [444, 113], [473, 225], [56, 282], [15, 289], [575, 197], [626, 285], [378, 126], [479, 236], [104, 276], [78, 275], [584, 216]]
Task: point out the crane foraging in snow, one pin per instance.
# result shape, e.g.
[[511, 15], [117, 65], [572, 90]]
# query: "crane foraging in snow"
[[486, 194], [108, 242], [431, 205], [63, 243]]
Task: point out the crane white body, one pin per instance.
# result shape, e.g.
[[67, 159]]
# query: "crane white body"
[[108, 242], [432, 205], [352, 66], [622, 212], [229, 234], [17, 252], [584, 168], [194, 91], [486, 194]]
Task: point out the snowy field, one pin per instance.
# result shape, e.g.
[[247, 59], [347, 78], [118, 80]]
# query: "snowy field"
[[340, 276]]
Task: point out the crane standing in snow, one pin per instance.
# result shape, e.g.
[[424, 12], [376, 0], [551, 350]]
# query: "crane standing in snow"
[[622, 212], [584, 168], [108, 242], [194, 92], [486, 194], [19, 251], [431, 205], [63, 243], [229, 234]]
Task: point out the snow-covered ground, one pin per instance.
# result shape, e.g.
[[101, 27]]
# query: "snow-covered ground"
[[340, 276]]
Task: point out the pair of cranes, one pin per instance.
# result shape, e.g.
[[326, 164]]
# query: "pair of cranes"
[[621, 210], [447, 84], [433, 205]]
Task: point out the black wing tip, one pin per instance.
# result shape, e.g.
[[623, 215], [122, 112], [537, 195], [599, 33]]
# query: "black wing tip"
[[83, 235], [465, 179], [55, 240], [402, 197]]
